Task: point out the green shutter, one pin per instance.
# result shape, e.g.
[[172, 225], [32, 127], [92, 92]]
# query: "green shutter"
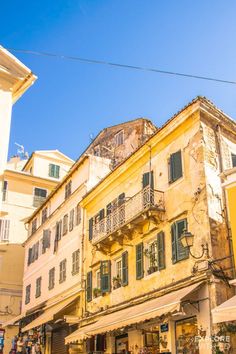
[[125, 274], [89, 286], [101, 214], [161, 250], [182, 252], [105, 271], [57, 174], [50, 170], [146, 179], [139, 261], [29, 256], [233, 156], [121, 199], [90, 229], [175, 166], [173, 243]]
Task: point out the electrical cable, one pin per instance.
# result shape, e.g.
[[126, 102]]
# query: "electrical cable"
[[125, 66]]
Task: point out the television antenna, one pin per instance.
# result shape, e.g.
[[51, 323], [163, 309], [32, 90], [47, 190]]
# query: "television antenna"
[[21, 151]]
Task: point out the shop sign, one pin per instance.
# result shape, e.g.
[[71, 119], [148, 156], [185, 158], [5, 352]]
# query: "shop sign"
[[164, 327]]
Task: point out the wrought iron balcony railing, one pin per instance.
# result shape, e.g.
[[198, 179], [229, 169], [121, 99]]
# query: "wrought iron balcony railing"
[[130, 209]]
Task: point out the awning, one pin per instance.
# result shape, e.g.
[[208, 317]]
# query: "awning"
[[49, 313], [13, 321], [157, 307], [225, 312]]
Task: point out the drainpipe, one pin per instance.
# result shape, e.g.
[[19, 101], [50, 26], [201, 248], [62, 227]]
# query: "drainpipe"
[[221, 165], [83, 281]]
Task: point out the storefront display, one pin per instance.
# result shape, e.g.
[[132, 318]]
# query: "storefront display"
[[186, 334], [122, 344]]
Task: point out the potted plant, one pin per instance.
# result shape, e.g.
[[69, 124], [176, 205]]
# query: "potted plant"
[[116, 282], [96, 292]]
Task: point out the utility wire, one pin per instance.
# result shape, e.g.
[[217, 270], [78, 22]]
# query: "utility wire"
[[126, 66]]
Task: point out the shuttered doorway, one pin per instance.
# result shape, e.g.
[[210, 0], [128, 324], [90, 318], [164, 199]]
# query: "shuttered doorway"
[[58, 340]]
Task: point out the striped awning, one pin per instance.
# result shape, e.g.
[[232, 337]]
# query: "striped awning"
[[49, 313], [14, 321], [147, 310]]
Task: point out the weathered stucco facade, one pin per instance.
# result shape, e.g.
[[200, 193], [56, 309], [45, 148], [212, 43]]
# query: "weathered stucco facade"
[[197, 131], [136, 287], [64, 230]]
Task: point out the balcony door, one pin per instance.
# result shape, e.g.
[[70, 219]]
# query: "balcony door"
[[148, 189]]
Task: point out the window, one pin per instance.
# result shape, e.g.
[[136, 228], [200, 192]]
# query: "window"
[[39, 196], [62, 277], [71, 222], [105, 269], [34, 226], [78, 214], [4, 230], [54, 171], [124, 268], [152, 257], [98, 279], [4, 191], [97, 151], [139, 261], [65, 224], [233, 157], [68, 190], [33, 253], [178, 251], [57, 234], [119, 138], [27, 294], [156, 254], [75, 262], [44, 214], [58, 230], [175, 166], [46, 240], [89, 286], [29, 256], [51, 279], [38, 287]]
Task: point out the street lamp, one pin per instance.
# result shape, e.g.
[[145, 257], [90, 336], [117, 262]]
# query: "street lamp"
[[187, 241]]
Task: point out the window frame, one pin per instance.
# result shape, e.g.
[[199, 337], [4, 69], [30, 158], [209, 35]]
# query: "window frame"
[[54, 171], [38, 199], [38, 287], [175, 241], [4, 190], [119, 138], [5, 230], [27, 294], [75, 262], [71, 219], [51, 278], [44, 215], [62, 271], [233, 159], [65, 224], [68, 189], [171, 171]]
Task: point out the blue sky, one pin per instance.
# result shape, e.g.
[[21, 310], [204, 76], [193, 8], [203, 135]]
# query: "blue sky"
[[70, 101]]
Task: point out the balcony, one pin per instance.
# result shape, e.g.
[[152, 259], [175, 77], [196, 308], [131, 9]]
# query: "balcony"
[[129, 216]]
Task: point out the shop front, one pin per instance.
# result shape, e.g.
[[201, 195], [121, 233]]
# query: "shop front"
[[168, 324], [50, 328]]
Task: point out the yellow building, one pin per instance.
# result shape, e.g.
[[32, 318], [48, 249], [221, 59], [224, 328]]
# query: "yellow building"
[[145, 291], [54, 250], [226, 312], [230, 188]]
